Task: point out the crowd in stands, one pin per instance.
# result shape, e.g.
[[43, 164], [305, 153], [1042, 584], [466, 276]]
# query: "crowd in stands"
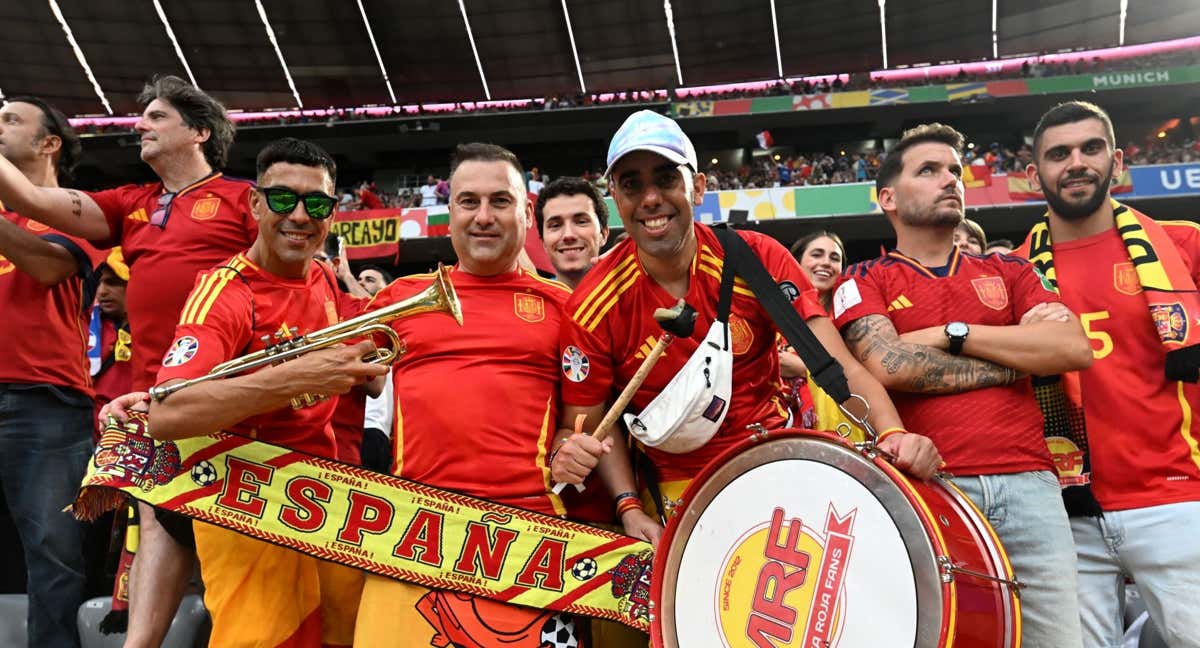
[[1032, 68]]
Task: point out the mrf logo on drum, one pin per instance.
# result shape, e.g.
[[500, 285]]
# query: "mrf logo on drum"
[[782, 583]]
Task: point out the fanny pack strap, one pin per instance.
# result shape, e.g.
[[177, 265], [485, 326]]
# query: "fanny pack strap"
[[821, 366]]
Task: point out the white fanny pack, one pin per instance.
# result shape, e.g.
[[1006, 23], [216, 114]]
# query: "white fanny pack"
[[690, 409]]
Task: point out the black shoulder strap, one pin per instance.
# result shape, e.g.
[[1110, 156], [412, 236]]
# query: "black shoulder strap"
[[821, 366]]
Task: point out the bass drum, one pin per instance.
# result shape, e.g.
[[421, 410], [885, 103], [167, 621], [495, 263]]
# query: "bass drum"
[[802, 539]]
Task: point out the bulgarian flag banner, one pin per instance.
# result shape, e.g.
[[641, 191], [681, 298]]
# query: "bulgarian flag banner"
[[438, 223]]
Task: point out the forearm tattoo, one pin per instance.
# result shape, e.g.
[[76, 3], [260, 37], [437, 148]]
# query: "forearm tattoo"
[[76, 203], [873, 339]]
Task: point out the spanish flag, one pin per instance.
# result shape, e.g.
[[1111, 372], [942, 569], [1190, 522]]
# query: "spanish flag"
[[977, 175]]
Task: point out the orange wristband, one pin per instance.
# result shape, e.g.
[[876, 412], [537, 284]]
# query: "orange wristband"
[[889, 432]]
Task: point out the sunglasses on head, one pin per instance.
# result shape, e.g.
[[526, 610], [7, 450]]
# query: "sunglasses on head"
[[283, 201]]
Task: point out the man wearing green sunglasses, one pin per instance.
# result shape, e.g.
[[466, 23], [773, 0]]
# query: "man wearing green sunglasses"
[[270, 293]]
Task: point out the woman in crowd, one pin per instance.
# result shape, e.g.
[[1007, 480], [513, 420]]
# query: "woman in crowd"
[[821, 255]]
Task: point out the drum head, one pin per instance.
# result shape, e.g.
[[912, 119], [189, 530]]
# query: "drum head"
[[797, 541]]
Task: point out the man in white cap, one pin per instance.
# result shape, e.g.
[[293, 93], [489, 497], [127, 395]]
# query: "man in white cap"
[[653, 176]]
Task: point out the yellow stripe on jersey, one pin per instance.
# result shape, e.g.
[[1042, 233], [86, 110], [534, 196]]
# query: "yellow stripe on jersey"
[[591, 324], [548, 428], [602, 300], [1185, 428], [739, 286], [1190, 224], [549, 282], [196, 313], [602, 289]]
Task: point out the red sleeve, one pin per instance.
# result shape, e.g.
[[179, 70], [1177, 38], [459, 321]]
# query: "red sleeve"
[[114, 204], [248, 220], [1028, 288], [1187, 239], [586, 363], [205, 338], [857, 295], [86, 255], [784, 269]]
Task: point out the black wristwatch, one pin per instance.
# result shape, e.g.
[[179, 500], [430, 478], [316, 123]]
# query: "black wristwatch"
[[957, 333]]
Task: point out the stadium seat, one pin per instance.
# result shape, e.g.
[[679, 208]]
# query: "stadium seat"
[[13, 609], [187, 628]]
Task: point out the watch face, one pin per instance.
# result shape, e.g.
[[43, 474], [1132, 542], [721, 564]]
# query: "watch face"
[[956, 329]]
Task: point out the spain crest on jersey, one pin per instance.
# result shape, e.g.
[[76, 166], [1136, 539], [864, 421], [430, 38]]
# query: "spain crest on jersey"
[[1170, 320], [1125, 278], [205, 208], [991, 292], [530, 308]]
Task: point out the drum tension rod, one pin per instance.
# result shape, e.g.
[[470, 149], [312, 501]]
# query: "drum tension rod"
[[949, 568]]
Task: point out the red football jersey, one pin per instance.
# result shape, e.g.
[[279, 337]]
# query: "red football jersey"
[[611, 329], [45, 328], [200, 227], [477, 406], [1142, 429], [226, 315], [347, 425], [996, 430]]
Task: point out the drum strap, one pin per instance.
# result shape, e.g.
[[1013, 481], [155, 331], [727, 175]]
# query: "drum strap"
[[826, 371], [375, 522]]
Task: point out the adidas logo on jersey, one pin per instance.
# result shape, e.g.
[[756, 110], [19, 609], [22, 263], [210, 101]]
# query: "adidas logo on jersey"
[[899, 303]]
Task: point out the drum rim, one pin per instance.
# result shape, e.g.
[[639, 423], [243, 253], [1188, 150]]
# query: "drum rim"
[[921, 546]]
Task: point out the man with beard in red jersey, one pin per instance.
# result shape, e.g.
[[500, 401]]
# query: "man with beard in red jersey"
[[1133, 478], [949, 332]]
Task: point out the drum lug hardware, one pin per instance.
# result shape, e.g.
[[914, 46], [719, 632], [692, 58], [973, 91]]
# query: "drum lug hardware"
[[949, 568], [758, 432]]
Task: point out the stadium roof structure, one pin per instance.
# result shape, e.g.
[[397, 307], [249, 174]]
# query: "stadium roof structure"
[[91, 58]]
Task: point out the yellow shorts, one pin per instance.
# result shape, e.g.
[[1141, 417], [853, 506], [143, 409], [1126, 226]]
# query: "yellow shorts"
[[260, 594]]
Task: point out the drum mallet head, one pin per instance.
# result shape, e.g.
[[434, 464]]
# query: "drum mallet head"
[[679, 320]]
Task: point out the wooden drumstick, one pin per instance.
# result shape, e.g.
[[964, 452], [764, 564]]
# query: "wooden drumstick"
[[678, 321]]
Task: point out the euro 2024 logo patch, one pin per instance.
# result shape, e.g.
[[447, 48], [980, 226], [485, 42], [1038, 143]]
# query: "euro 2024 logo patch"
[[575, 364], [181, 351]]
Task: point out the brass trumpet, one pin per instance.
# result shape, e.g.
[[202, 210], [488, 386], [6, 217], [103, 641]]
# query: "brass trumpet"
[[438, 297]]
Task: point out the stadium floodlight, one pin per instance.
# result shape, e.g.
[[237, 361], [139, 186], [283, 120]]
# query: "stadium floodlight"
[[162, 15], [574, 52], [87, 69], [883, 30], [674, 46], [474, 50], [1121, 27], [775, 28], [262, 13], [371, 36], [995, 39]]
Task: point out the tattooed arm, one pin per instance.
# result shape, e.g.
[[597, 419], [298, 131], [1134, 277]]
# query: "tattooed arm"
[[903, 366], [66, 210]]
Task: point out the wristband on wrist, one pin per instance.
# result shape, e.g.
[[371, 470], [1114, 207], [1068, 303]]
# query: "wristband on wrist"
[[627, 502], [889, 432]]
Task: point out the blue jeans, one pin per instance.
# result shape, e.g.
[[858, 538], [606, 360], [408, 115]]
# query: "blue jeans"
[[1159, 546], [45, 444], [1026, 510]]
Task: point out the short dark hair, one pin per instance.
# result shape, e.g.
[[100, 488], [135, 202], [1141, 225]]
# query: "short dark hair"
[[1001, 242], [893, 164], [570, 186], [387, 276], [801, 245], [333, 245], [295, 151], [484, 152], [54, 122], [199, 111], [1068, 113]]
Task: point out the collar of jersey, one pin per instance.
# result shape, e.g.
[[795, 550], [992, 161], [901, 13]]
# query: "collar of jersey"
[[954, 263], [195, 185]]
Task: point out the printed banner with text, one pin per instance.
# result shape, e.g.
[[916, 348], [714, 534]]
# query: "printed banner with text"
[[375, 522]]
